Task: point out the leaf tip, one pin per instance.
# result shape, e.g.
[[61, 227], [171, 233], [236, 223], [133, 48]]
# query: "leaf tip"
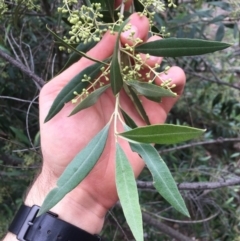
[[41, 211], [48, 118]]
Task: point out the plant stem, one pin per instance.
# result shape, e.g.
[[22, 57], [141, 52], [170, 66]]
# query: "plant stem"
[[116, 116]]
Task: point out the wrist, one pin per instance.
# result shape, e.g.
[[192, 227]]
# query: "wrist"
[[77, 207]]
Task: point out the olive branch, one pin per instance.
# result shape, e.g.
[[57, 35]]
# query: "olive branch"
[[122, 71]]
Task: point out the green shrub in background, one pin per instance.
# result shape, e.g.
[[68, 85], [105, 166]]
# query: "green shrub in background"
[[211, 100]]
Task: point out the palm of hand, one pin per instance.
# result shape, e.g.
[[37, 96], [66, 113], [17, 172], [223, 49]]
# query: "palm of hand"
[[63, 137]]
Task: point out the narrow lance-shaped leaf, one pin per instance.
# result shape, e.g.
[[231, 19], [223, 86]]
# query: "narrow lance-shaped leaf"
[[176, 47], [77, 170], [76, 84], [150, 90], [220, 33], [137, 103], [162, 134], [90, 100], [107, 18], [128, 120], [138, 6], [68, 46], [75, 56], [110, 8], [162, 177], [128, 194], [115, 71]]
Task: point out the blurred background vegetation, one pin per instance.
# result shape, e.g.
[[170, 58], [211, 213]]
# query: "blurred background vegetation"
[[211, 100]]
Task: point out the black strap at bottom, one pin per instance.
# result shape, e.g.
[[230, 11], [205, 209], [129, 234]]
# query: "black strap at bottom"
[[46, 227]]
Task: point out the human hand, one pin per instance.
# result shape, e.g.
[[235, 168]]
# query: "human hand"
[[63, 137]]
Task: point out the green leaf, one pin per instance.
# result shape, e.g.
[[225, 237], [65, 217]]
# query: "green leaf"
[[19, 135], [115, 71], [224, 5], [128, 120], [175, 47], [68, 46], [128, 194], [76, 84], [235, 30], [110, 8], [162, 134], [2, 48], [137, 103], [77, 170], [108, 19], [138, 6], [90, 100], [220, 33], [150, 90], [162, 177], [155, 99], [219, 18], [74, 57]]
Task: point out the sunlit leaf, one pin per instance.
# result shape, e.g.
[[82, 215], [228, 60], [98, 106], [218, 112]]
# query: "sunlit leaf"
[[150, 90], [162, 177], [90, 100], [162, 134], [68, 46], [128, 193], [175, 47], [77, 170], [76, 84], [137, 103], [115, 71]]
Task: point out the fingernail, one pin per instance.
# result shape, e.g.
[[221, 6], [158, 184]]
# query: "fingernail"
[[130, 33]]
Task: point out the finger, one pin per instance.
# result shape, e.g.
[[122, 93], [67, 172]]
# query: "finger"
[[178, 78], [127, 4], [101, 51], [139, 29], [157, 113], [151, 60]]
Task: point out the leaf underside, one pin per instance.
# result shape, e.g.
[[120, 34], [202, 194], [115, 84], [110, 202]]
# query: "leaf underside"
[[90, 100], [150, 90], [128, 193], [162, 177], [162, 134], [76, 84], [77, 170]]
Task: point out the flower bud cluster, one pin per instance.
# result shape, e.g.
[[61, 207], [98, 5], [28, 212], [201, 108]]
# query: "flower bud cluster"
[[171, 4], [3, 8], [86, 22], [151, 7], [25, 4]]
